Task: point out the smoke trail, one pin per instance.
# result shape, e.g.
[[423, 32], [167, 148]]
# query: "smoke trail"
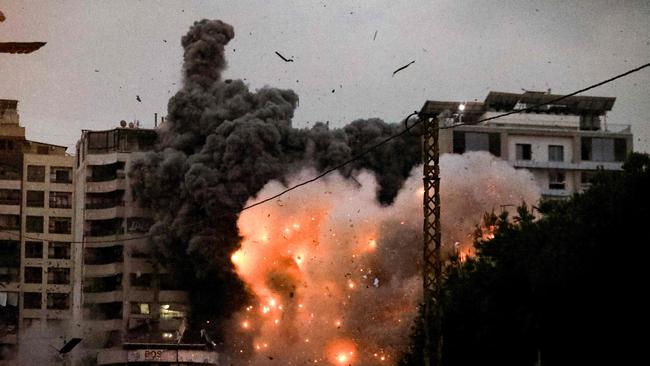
[[336, 275], [221, 144]]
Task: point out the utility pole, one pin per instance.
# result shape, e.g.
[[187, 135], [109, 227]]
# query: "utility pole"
[[432, 266]]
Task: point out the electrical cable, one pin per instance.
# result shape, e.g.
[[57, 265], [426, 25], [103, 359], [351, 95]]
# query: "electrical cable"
[[375, 146]]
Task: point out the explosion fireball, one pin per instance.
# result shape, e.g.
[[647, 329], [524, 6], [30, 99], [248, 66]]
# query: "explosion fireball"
[[336, 275]]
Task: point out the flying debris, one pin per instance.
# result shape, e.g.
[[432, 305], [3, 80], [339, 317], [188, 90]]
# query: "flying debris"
[[375, 36], [69, 346], [208, 341], [137, 97], [403, 67], [284, 58], [20, 47]]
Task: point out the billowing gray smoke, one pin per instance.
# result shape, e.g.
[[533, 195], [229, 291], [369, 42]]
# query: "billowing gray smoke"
[[221, 144]]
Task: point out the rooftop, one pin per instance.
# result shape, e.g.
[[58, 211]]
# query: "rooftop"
[[501, 101]]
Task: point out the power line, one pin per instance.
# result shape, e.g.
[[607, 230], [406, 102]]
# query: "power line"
[[515, 111], [371, 148], [352, 159]]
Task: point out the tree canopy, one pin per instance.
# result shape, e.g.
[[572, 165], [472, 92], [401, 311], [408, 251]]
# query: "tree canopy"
[[566, 288]]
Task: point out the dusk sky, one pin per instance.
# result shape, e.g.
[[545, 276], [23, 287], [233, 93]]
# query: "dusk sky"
[[101, 55]]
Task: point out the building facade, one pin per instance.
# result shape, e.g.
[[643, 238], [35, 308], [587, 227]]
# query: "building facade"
[[562, 144], [129, 309], [36, 237]]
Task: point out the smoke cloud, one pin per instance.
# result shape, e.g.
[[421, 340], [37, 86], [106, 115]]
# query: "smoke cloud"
[[337, 276], [220, 145]]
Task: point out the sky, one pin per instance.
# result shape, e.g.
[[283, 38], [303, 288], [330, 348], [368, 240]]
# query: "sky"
[[100, 55]]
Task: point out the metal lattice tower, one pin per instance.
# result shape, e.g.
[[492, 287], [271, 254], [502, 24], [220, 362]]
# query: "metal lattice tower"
[[432, 264]]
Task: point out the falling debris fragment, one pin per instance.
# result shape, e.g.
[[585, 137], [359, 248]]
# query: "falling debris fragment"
[[69, 345], [284, 58], [164, 40], [137, 97], [206, 338], [375, 36], [96, 70], [403, 67]]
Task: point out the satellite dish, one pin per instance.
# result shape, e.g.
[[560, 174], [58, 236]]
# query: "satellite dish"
[[122, 123], [131, 125]]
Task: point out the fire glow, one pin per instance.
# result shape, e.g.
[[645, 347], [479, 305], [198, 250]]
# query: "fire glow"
[[336, 275]]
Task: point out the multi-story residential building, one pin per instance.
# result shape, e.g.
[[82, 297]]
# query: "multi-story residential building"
[[563, 144], [36, 237], [129, 310]]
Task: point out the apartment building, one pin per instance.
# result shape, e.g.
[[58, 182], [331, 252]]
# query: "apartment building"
[[130, 310], [563, 144], [36, 237]]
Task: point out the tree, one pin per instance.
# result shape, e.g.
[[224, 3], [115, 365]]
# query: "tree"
[[566, 288]]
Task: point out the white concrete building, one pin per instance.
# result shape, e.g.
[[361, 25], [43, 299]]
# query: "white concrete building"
[[562, 144]]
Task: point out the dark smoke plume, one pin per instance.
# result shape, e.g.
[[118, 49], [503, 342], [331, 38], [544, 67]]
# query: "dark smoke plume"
[[221, 144]]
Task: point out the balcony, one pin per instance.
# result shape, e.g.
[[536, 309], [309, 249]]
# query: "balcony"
[[107, 186], [105, 213], [173, 296], [102, 270], [102, 297], [556, 165]]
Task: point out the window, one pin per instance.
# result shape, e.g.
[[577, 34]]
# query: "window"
[[34, 224], [60, 225], [33, 275], [141, 280], [60, 199], [620, 149], [101, 141], [9, 261], [58, 301], [10, 197], [58, 276], [473, 141], [60, 174], [35, 199], [58, 250], [140, 308], [555, 153], [556, 180], [32, 300], [476, 141], [35, 173], [172, 311], [523, 152], [33, 249], [603, 149], [10, 222], [8, 145]]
